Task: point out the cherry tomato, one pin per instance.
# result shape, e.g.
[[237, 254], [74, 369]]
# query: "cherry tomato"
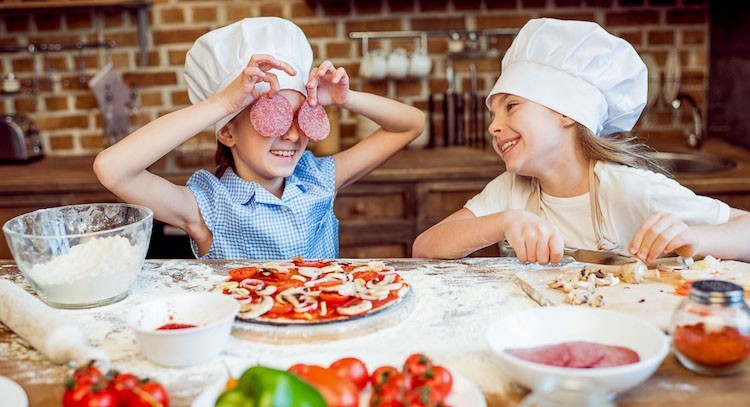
[[417, 369], [242, 273], [122, 385], [288, 284], [88, 374], [389, 396], [382, 374], [421, 397], [104, 398], [336, 392], [149, 394], [441, 382], [352, 369]]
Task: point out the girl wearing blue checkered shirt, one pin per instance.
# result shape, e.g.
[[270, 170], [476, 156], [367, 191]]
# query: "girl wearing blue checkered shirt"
[[269, 198]]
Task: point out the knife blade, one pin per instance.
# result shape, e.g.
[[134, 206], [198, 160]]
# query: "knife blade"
[[598, 257]]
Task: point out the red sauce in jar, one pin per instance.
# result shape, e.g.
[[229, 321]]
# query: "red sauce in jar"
[[713, 348], [174, 325]]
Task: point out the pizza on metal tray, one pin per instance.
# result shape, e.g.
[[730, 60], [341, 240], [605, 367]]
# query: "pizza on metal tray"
[[313, 291]]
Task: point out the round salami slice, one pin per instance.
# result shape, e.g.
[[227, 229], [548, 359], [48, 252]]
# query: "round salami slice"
[[313, 121], [272, 116]]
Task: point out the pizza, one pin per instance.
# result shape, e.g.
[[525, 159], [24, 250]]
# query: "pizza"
[[313, 291]]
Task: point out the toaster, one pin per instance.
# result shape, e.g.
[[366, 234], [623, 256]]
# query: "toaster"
[[19, 139]]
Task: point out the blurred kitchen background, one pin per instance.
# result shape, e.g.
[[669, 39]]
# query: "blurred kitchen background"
[[77, 75]]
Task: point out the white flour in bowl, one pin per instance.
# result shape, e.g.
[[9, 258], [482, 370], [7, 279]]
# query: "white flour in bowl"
[[96, 270]]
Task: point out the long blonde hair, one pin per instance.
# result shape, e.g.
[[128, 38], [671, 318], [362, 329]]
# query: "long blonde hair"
[[619, 148]]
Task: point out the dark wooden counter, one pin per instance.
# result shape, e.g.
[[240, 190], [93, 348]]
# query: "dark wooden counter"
[[380, 215]]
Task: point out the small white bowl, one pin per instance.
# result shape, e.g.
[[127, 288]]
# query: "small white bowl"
[[212, 313], [553, 325]]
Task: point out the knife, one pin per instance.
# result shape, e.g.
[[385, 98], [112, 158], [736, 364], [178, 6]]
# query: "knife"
[[597, 257]]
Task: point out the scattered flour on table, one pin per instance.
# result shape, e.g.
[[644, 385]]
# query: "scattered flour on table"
[[96, 270], [455, 302]]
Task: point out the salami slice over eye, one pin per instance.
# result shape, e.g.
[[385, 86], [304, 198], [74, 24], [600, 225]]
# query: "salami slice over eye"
[[272, 116], [313, 121]]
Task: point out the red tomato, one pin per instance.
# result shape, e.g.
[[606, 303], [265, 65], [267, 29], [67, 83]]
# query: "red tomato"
[[121, 385], [300, 262], [336, 392], [421, 397], [417, 369], [242, 273], [149, 394], [88, 395], [388, 396], [278, 310], [334, 298], [382, 375], [87, 374], [366, 275], [441, 382], [352, 369], [287, 285]]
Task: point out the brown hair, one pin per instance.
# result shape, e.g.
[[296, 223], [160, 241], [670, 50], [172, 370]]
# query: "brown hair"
[[223, 159], [619, 148]]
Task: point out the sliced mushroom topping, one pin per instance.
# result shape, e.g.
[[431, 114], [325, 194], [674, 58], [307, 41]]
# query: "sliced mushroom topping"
[[255, 310], [387, 270], [375, 294], [376, 265], [376, 282], [239, 292], [252, 284], [323, 308], [226, 286], [330, 288], [306, 306], [355, 309], [310, 272], [332, 268], [268, 290], [299, 278]]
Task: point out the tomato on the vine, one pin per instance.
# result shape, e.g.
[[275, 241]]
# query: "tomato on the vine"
[[87, 374], [441, 382], [417, 369], [122, 385], [382, 374], [352, 369], [149, 394], [88, 395]]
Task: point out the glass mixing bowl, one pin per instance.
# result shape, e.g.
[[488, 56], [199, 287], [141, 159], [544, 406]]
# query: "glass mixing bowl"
[[81, 256]]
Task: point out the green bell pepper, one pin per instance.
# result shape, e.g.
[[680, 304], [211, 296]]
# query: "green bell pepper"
[[265, 387]]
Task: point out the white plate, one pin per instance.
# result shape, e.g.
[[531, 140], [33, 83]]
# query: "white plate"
[[12, 394], [464, 393]]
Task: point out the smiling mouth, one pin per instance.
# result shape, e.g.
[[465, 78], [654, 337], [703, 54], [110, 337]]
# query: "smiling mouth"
[[507, 145], [283, 153]]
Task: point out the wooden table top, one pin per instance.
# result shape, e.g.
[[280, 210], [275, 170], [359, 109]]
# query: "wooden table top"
[[455, 300]]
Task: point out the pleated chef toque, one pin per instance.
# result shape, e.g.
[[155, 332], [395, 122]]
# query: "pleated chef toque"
[[219, 56], [578, 69]]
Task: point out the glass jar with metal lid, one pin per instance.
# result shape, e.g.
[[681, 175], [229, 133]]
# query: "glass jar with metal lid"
[[711, 328]]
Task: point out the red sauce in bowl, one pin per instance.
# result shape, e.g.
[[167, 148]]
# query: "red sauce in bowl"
[[174, 325]]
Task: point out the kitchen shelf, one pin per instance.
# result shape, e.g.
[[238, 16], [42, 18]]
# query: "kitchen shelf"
[[141, 7]]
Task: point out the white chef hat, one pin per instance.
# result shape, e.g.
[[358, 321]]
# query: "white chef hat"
[[218, 57], [578, 69]]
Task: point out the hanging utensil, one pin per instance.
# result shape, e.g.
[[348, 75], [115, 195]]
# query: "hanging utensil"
[[430, 124], [460, 119], [473, 113], [449, 105]]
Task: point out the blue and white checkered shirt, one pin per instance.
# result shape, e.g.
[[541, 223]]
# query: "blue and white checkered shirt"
[[248, 222]]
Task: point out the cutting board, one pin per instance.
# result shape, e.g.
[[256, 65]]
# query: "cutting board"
[[652, 300]]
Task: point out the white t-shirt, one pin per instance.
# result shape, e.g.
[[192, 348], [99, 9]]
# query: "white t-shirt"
[[627, 196]]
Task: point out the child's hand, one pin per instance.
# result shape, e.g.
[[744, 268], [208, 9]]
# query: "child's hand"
[[328, 85], [533, 238], [663, 233], [241, 92]]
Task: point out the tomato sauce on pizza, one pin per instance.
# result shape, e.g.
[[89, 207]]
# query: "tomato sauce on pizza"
[[313, 291]]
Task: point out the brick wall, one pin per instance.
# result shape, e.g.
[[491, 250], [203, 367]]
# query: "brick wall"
[[69, 120]]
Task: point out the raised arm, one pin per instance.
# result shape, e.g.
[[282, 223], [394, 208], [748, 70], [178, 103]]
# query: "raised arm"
[[399, 123], [122, 168]]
